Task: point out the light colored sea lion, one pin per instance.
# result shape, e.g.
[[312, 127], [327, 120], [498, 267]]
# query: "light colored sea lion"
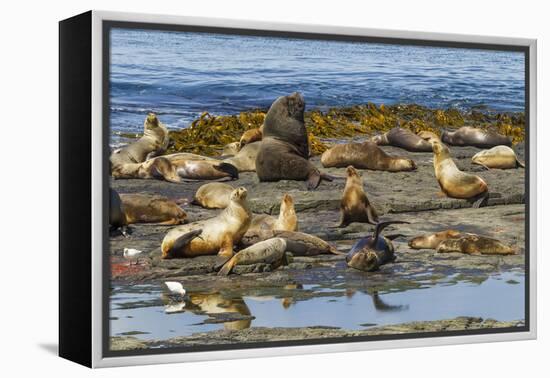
[[431, 241], [216, 303], [154, 142], [143, 208], [403, 138], [284, 150], [453, 182], [231, 149], [251, 136], [245, 159], [355, 206], [471, 136], [214, 195], [428, 136], [299, 243], [500, 157], [366, 155], [371, 252], [218, 234], [287, 220], [474, 244], [117, 218], [156, 168], [206, 170], [270, 251]]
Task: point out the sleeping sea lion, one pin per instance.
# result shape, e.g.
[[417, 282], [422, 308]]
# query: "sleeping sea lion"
[[251, 136], [231, 149], [214, 195], [299, 243], [474, 244], [403, 138], [471, 136], [500, 157], [144, 208], [287, 220], [245, 159], [431, 241], [366, 155], [355, 206], [270, 251]]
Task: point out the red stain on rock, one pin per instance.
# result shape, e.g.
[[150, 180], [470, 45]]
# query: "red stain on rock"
[[122, 268]]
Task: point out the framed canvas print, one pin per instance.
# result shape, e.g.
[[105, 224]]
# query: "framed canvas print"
[[232, 189]]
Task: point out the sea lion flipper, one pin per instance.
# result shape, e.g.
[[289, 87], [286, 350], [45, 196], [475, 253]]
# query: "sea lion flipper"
[[313, 180], [382, 225], [181, 243], [519, 163], [372, 215], [227, 266], [480, 202], [230, 169]]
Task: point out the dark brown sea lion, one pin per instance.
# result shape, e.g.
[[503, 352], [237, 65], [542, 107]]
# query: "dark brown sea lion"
[[144, 208], [474, 244], [284, 149], [117, 218], [403, 138], [355, 206], [366, 155], [471, 136]]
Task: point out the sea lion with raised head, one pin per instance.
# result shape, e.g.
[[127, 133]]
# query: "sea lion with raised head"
[[284, 150], [475, 244], [287, 220], [355, 206], [371, 252], [251, 136], [431, 241], [144, 208], [366, 155], [270, 251], [500, 157], [214, 195], [217, 235], [452, 181], [471, 136], [403, 138]]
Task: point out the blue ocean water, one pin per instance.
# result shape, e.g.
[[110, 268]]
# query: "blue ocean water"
[[180, 75]]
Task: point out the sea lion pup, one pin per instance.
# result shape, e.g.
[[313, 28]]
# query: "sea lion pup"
[[371, 252], [217, 235], [270, 251], [471, 136], [245, 159], [453, 182], [214, 195], [471, 243], [251, 136], [284, 150], [403, 138], [355, 206], [299, 243], [431, 241], [500, 157], [143, 208], [366, 155], [154, 142], [231, 149], [117, 218], [287, 220]]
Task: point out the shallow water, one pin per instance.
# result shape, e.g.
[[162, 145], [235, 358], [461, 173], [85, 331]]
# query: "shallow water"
[[146, 312], [179, 75]]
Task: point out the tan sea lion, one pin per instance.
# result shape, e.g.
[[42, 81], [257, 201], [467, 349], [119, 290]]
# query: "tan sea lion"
[[154, 142], [217, 235], [355, 206], [474, 244], [216, 303], [500, 157], [206, 170], [471, 136], [284, 150], [453, 182], [143, 208], [231, 149], [287, 220], [270, 251], [366, 155], [251, 136], [298, 243], [245, 159], [428, 136], [431, 241], [403, 138], [214, 195]]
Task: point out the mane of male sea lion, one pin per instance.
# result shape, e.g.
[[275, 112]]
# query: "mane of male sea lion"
[[471, 136], [403, 138]]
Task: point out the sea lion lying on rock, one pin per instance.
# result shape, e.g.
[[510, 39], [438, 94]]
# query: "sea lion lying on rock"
[[403, 138], [214, 195], [144, 208], [500, 157], [270, 251], [431, 241], [245, 159], [251, 136], [471, 136], [298, 243], [475, 244], [231, 149]]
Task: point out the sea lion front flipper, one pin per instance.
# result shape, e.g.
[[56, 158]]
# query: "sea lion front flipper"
[[313, 180], [519, 163], [228, 266], [225, 253], [372, 215], [181, 243], [162, 168], [481, 201], [382, 225], [230, 169]]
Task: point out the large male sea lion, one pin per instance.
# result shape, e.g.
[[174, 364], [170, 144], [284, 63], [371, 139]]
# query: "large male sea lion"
[[287, 220], [471, 136], [500, 157], [474, 244], [271, 251], [284, 149], [403, 138], [366, 155], [217, 235], [144, 208], [453, 182], [214, 195], [355, 206], [431, 241]]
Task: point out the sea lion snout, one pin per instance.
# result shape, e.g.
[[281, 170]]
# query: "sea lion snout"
[[351, 171], [239, 193], [152, 120]]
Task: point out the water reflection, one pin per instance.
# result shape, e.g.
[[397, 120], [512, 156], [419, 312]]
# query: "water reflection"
[[216, 303]]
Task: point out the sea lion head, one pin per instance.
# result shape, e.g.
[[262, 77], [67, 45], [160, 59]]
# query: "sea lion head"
[[439, 148], [239, 194], [151, 121], [380, 139], [291, 106], [404, 164], [351, 171], [287, 203]]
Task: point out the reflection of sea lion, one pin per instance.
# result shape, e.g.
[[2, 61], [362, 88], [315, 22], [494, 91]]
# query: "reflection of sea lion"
[[251, 136], [218, 235], [143, 208], [216, 303], [371, 252], [366, 155], [271, 251], [284, 149], [214, 195], [355, 206], [471, 136], [299, 243], [403, 138], [153, 142], [245, 159], [431, 241], [453, 182], [117, 218], [287, 220], [471, 243], [501, 157]]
